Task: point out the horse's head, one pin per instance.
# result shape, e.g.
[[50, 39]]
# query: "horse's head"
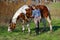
[[11, 26]]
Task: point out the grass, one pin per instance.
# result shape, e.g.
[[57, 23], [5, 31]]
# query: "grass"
[[17, 34]]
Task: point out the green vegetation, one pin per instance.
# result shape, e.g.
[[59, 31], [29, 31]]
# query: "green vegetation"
[[17, 34]]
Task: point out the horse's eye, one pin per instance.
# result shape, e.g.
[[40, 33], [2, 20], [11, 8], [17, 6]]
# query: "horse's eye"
[[26, 9]]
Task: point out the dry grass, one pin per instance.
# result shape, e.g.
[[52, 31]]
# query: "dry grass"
[[55, 10], [7, 10]]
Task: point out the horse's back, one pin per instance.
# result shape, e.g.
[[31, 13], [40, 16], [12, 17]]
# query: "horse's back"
[[44, 11]]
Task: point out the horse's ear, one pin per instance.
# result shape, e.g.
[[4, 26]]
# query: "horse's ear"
[[29, 6], [26, 9]]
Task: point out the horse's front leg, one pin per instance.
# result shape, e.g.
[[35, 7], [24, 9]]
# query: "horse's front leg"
[[23, 28], [28, 27]]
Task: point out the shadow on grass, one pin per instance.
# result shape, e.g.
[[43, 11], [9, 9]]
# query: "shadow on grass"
[[17, 30], [47, 29], [56, 28]]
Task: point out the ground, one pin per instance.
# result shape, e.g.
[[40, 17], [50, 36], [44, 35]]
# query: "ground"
[[17, 34]]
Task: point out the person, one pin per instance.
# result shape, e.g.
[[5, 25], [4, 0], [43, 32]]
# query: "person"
[[37, 16]]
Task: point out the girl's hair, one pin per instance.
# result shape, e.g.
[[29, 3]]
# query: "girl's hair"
[[35, 6]]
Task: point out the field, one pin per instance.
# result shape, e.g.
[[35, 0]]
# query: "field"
[[17, 34]]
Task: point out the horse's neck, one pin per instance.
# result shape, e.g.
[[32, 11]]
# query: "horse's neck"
[[20, 10]]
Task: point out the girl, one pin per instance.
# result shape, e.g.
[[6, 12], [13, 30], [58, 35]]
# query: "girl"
[[37, 16]]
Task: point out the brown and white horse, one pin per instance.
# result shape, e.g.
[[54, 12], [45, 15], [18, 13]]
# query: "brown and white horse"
[[25, 13]]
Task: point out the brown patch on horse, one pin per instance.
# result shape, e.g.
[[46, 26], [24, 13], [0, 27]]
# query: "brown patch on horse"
[[22, 16], [44, 11]]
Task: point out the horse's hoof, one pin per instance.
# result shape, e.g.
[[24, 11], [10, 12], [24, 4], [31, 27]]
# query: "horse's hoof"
[[9, 30], [37, 33], [51, 31], [23, 31]]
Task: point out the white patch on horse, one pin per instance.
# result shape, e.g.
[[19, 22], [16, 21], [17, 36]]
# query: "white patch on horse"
[[20, 10]]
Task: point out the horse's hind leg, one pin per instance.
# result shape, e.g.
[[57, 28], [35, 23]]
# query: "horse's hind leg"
[[49, 21], [44, 23]]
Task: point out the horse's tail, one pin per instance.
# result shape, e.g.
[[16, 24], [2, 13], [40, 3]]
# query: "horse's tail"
[[49, 13]]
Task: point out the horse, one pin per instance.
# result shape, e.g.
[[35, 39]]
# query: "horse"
[[25, 13]]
